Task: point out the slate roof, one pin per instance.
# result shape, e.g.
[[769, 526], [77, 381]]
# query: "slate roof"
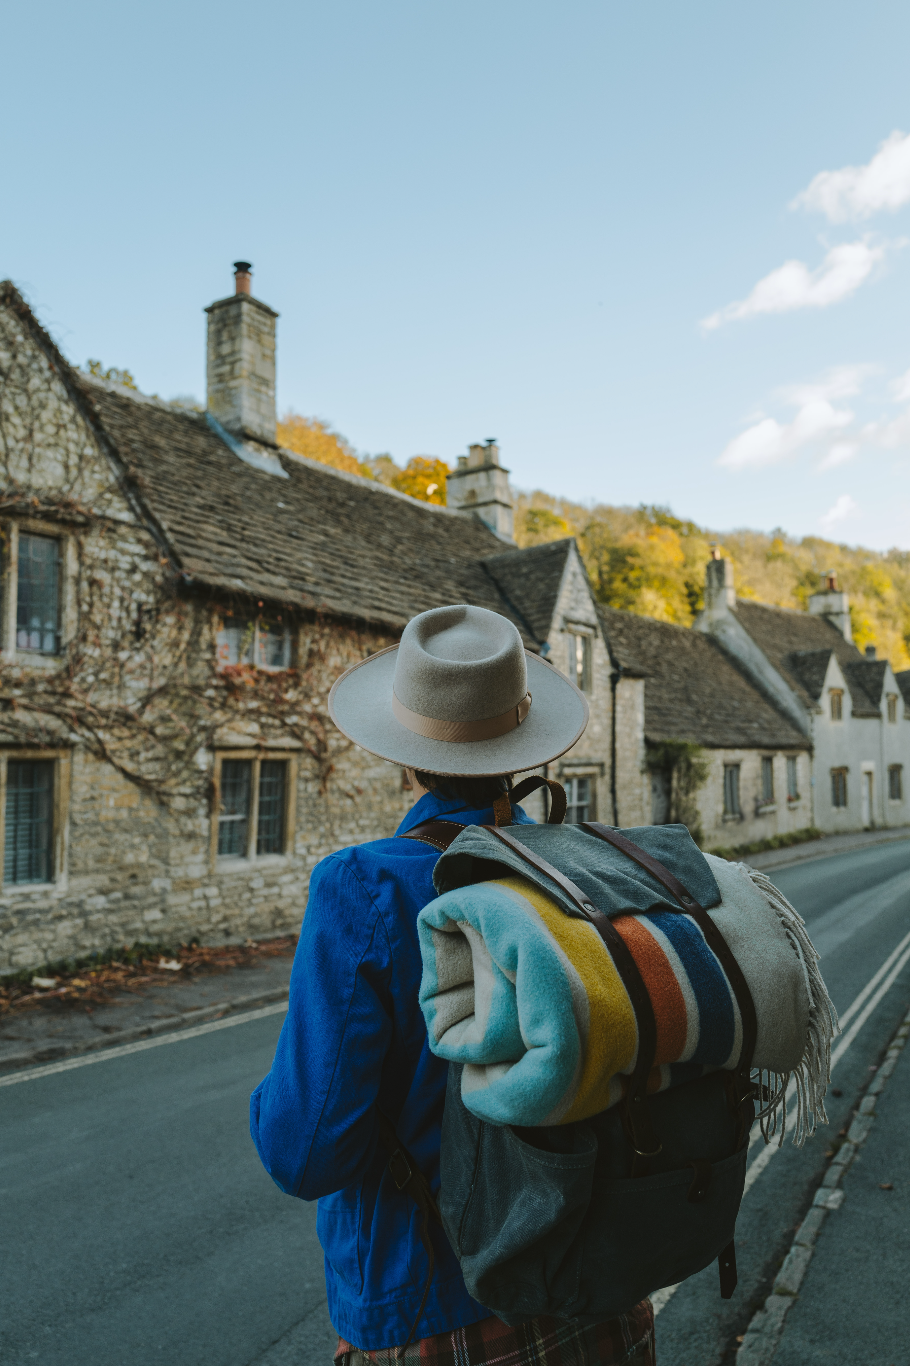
[[694, 690], [787, 638], [320, 539], [903, 682], [530, 579]]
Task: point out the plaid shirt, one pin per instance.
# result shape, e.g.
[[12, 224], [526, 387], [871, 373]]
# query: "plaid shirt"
[[541, 1342]]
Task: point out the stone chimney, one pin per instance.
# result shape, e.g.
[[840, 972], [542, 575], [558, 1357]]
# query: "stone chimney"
[[481, 485], [720, 594], [240, 362], [833, 605]]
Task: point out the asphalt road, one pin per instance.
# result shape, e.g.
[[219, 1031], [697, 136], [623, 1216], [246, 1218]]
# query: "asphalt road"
[[857, 908], [138, 1226]]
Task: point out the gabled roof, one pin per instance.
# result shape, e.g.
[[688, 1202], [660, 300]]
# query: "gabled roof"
[[694, 690], [867, 676], [319, 539], [530, 579], [903, 682], [786, 637]]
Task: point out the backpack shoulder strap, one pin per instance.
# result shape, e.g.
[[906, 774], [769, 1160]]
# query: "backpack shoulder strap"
[[410, 1180]]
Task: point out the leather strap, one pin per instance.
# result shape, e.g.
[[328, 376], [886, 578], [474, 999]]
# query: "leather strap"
[[715, 940], [438, 833], [641, 1132], [726, 1265], [558, 801], [411, 1181]]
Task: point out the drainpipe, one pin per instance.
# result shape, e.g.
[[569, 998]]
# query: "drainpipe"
[[615, 676]]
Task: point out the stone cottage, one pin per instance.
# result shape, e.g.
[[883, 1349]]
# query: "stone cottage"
[[699, 708], [850, 707], [179, 593]]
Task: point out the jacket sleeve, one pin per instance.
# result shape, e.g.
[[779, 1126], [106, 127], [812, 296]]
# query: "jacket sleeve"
[[312, 1118]]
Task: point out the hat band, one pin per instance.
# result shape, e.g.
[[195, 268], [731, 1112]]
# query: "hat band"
[[459, 731]]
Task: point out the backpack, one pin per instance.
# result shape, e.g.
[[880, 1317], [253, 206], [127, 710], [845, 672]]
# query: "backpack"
[[582, 1220]]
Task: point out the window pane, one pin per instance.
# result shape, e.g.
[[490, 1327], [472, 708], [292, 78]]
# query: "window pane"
[[895, 785], [838, 787], [235, 641], [270, 835], [837, 710], [792, 788], [274, 645], [29, 801], [767, 780], [37, 605], [578, 795], [731, 790], [234, 816], [892, 707]]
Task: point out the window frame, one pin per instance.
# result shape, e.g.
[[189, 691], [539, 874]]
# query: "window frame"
[[67, 606], [60, 799], [793, 794], [256, 620], [223, 862], [895, 771], [731, 813], [836, 700], [580, 635], [837, 774], [891, 699], [589, 776], [767, 798]]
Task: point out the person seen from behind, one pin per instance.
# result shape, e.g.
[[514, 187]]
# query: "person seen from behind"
[[461, 707]]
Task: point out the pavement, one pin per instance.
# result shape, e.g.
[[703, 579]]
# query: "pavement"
[[58, 1029], [825, 847]]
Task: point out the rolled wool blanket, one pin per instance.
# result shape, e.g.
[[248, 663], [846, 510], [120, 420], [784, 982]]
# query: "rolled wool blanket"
[[529, 1000]]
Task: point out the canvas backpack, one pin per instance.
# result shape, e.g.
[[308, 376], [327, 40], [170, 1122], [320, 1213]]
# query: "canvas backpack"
[[583, 1220]]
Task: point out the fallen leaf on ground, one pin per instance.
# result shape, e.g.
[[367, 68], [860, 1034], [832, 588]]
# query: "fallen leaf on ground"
[[78, 982], [44, 982], [886, 1186], [170, 963]]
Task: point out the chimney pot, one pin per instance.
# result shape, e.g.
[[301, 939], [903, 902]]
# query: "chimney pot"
[[830, 581], [242, 277], [870, 651]]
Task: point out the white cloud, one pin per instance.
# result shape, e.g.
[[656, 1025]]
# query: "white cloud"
[[793, 285], [768, 441], [857, 192], [900, 388], [839, 512], [843, 381], [839, 454]]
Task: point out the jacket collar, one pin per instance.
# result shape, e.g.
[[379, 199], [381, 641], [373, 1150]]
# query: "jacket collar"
[[431, 807]]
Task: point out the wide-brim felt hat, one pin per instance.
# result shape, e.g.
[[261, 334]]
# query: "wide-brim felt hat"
[[459, 695]]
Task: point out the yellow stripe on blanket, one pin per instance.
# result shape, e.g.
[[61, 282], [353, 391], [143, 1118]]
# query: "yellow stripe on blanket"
[[612, 1033]]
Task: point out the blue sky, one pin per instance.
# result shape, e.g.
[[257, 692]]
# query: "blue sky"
[[600, 233]]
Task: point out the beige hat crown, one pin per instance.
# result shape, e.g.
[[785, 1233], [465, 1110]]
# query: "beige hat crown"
[[459, 695]]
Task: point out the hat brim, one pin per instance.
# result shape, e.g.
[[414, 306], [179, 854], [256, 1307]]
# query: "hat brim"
[[360, 704]]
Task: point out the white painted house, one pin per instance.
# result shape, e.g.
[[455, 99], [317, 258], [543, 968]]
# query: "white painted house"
[[850, 706]]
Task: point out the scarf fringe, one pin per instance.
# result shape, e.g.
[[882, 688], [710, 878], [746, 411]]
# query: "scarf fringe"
[[810, 1079]]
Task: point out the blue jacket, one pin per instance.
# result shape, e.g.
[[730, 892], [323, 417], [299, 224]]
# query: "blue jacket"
[[355, 1037]]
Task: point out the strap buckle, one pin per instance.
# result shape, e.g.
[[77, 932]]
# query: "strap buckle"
[[400, 1169]]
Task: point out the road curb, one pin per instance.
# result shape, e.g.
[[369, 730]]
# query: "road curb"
[[763, 1335], [770, 859], [14, 1062]]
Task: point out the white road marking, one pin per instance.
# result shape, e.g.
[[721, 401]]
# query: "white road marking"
[[896, 961], [106, 1054]]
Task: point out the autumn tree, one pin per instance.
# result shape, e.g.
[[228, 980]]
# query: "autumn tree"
[[312, 437]]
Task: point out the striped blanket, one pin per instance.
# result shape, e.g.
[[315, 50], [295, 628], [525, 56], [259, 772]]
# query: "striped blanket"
[[529, 1000]]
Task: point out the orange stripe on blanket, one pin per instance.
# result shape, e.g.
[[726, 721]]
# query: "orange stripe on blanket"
[[662, 987]]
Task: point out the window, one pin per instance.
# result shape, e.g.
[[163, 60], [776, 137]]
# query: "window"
[[580, 661], [38, 594], [837, 704], [253, 807], [896, 783], [579, 795], [28, 853], [767, 779], [792, 781], [254, 640], [838, 787], [892, 707], [731, 790]]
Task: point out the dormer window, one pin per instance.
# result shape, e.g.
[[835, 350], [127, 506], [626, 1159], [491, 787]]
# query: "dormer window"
[[580, 659], [837, 704], [892, 707], [261, 641]]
